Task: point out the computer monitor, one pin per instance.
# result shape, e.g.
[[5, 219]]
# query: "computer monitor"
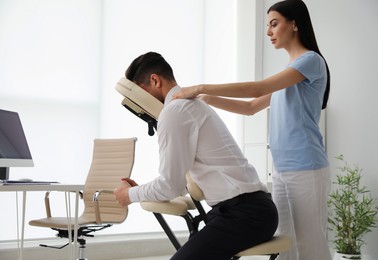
[[14, 149]]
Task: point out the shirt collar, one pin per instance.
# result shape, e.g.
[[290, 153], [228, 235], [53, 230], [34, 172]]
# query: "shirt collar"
[[170, 93]]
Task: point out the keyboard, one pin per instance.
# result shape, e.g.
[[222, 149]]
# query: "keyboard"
[[18, 182]]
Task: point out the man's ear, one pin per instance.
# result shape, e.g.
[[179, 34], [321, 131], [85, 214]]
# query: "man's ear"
[[155, 80]]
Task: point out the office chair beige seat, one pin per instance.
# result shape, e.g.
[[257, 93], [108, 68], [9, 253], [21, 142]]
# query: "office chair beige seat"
[[112, 160]]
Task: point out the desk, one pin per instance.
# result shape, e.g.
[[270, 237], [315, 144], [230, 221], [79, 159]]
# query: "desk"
[[47, 187]]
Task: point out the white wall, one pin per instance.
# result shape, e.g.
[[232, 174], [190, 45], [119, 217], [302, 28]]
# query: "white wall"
[[349, 41], [348, 38]]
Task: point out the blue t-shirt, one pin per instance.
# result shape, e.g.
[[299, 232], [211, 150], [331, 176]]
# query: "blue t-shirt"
[[294, 135]]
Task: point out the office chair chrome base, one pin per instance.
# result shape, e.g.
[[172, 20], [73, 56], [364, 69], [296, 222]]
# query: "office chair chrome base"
[[82, 232]]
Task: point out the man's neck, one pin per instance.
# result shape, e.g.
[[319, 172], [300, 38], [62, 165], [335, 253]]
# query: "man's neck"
[[168, 85], [169, 94]]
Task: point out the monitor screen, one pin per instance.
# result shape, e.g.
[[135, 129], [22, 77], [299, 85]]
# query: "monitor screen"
[[14, 149]]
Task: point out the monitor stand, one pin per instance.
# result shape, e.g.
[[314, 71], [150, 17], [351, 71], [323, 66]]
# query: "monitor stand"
[[4, 173]]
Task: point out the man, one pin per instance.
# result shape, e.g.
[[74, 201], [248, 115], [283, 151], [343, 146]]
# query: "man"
[[193, 138]]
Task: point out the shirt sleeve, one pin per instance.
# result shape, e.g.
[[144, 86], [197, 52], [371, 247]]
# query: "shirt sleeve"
[[177, 137], [309, 65]]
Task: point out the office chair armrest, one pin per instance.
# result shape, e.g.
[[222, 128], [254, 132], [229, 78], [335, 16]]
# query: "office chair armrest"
[[96, 195], [47, 202], [95, 198]]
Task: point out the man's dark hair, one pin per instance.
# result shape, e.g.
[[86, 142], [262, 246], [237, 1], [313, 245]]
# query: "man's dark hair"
[[296, 10], [149, 63]]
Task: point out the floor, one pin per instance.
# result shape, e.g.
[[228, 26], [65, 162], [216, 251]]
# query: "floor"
[[147, 258], [167, 257]]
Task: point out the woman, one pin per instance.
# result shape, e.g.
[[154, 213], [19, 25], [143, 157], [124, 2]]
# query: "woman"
[[296, 95]]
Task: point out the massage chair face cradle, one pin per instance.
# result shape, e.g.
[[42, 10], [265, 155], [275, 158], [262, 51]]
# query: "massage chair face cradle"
[[140, 103]]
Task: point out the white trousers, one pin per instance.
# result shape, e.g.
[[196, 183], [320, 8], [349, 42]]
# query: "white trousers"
[[301, 199]]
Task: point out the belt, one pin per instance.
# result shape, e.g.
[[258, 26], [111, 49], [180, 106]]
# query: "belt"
[[257, 195]]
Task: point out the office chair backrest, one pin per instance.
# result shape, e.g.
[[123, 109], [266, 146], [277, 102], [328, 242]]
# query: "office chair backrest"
[[112, 160]]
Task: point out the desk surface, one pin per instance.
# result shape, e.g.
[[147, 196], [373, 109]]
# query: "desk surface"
[[42, 187]]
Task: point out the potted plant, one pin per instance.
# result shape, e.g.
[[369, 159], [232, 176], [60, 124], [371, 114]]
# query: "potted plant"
[[352, 212]]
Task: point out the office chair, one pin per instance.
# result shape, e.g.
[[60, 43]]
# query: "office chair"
[[112, 160]]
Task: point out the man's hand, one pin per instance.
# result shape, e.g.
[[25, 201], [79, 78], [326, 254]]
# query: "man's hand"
[[122, 192], [130, 181]]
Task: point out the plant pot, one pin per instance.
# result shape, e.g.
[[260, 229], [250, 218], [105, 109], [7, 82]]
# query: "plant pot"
[[338, 256]]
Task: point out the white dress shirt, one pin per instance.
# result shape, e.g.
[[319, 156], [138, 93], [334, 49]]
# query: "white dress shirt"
[[192, 137]]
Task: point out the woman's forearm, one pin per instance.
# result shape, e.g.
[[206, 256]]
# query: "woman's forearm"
[[238, 106], [237, 90]]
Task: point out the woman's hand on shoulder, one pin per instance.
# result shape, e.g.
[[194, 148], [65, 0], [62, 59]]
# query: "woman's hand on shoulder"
[[188, 92]]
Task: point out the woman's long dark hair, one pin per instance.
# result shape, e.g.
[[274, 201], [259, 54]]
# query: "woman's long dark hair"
[[296, 10]]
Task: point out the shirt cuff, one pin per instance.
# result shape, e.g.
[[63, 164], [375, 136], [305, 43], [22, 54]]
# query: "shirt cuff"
[[133, 194]]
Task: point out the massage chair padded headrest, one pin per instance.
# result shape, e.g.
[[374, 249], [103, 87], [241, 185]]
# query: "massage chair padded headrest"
[[140, 103]]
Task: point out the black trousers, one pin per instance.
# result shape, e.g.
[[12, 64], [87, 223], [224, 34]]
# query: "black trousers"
[[233, 226]]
